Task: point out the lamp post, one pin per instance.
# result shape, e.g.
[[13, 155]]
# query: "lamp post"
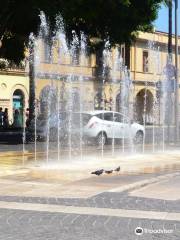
[[177, 75], [31, 79], [169, 62], [170, 30]]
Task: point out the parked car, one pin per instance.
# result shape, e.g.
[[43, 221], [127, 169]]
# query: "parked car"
[[100, 126], [104, 125]]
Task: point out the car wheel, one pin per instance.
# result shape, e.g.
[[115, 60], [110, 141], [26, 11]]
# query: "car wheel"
[[53, 135], [139, 138], [101, 139]]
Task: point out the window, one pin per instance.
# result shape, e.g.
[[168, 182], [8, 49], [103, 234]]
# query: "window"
[[108, 116], [105, 116], [75, 59], [47, 52], [120, 118], [159, 70], [145, 61], [100, 116], [122, 52]]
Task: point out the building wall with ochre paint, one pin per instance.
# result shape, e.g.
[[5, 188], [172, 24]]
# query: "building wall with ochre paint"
[[9, 83]]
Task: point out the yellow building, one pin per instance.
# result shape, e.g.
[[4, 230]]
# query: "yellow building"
[[146, 58], [14, 91], [152, 47]]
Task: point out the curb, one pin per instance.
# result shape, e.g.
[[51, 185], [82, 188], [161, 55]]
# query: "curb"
[[143, 183]]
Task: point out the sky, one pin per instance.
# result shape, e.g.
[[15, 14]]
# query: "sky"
[[161, 24]]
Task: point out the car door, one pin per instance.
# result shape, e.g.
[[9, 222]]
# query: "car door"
[[118, 126], [126, 127], [121, 126], [108, 123]]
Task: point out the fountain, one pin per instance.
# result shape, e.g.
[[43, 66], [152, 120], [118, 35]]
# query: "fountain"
[[64, 82]]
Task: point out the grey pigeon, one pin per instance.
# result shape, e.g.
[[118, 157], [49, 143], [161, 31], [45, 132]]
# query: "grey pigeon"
[[117, 169], [109, 171], [98, 172]]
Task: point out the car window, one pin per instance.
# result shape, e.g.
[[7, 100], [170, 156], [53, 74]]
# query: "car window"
[[105, 116], [120, 118], [108, 116], [100, 115]]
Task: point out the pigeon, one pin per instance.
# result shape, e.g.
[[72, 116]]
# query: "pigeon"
[[117, 169], [109, 171], [98, 172]]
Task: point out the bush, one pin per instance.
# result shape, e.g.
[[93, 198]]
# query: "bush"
[[4, 64]]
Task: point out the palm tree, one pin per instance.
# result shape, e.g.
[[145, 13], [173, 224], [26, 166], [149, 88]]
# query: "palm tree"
[[169, 4]]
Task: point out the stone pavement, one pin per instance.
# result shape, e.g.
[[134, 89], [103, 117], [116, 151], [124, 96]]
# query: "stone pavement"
[[68, 203], [110, 200], [39, 221], [25, 225], [108, 215]]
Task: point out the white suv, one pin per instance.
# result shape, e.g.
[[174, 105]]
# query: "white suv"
[[104, 125], [98, 125]]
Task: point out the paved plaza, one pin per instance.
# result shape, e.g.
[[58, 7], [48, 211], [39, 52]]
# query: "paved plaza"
[[105, 216], [40, 200]]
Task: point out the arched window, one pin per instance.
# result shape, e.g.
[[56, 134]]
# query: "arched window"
[[144, 106]]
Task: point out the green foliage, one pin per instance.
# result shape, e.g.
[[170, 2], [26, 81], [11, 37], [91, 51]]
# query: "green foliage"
[[113, 19]]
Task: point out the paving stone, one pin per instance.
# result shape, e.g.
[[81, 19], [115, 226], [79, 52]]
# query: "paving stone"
[[106, 200], [22, 225]]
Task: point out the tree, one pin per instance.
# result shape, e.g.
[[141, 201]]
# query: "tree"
[[113, 19], [117, 20]]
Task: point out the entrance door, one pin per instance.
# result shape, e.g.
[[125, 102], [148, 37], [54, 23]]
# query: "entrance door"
[[18, 103]]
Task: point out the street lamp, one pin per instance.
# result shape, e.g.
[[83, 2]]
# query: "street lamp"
[[169, 62], [170, 30], [177, 75]]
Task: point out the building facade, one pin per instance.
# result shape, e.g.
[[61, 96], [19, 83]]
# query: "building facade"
[[14, 91], [60, 76], [146, 60]]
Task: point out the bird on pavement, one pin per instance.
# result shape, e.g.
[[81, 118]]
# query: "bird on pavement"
[[117, 169], [109, 171], [98, 172]]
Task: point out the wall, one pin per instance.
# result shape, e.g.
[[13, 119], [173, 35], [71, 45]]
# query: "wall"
[[9, 82]]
